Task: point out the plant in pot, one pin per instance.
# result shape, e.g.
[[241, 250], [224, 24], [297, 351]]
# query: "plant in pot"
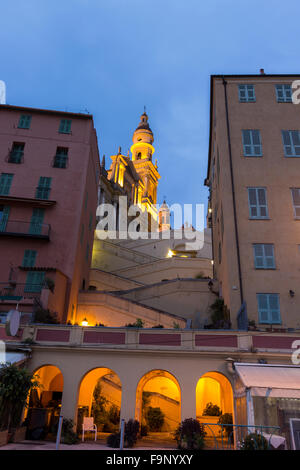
[[15, 385], [155, 419], [190, 435], [212, 410], [226, 420]]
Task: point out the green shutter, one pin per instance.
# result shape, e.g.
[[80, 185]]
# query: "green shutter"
[[5, 183], [36, 221], [29, 258], [24, 122], [65, 126], [44, 187], [4, 218], [34, 281]]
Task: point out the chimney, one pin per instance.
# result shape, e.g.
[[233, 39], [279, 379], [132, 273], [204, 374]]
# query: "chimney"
[[262, 71]]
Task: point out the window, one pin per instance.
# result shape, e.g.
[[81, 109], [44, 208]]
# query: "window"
[[252, 143], [29, 258], [246, 93], [264, 256], [296, 202], [4, 214], [24, 122], [36, 222], [44, 188], [291, 143], [5, 183], [65, 126], [17, 152], [61, 157], [34, 281], [283, 93], [268, 308], [257, 198]]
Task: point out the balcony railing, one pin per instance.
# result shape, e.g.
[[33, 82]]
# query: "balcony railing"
[[12, 291], [18, 228]]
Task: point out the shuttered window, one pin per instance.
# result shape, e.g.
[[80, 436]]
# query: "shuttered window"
[[296, 202], [24, 122], [5, 183], [257, 199], [36, 222], [252, 143], [17, 153], [268, 308], [34, 281], [29, 258], [283, 93], [264, 256], [4, 214], [246, 93], [65, 126], [44, 188], [291, 143]]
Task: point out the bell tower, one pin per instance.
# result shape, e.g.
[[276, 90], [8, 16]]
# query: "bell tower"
[[142, 152]]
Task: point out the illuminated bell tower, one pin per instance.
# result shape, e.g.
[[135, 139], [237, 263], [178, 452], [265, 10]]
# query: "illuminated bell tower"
[[142, 152]]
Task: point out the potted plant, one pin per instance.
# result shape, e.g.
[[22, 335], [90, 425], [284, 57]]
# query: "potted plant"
[[15, 384], [211, 410]]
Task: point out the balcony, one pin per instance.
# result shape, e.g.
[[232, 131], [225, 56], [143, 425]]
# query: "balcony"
[[16, 228], [10, 290]]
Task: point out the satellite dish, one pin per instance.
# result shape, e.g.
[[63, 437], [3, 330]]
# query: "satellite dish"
[[12, 322], [2, 92]]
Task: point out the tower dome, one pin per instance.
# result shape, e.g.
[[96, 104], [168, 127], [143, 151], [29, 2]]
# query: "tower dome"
[[143, 133]]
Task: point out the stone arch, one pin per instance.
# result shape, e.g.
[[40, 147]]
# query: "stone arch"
[[163, 392]]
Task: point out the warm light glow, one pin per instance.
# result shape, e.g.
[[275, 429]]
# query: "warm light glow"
[[170, 254], [144, 146], [212, 261], [84, 322], [210, 210]]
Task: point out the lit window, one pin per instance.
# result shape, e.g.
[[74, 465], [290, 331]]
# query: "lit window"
[[283, 93], [268, 308], [246, 93], [252, 143], [264, 256], [291, 143], [257, 198]]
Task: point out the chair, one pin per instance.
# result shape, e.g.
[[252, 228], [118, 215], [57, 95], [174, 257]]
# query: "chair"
[[88, 425]]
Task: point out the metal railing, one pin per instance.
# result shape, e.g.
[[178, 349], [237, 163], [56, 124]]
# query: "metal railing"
[[243, 437], [28, 229], [12, 291]]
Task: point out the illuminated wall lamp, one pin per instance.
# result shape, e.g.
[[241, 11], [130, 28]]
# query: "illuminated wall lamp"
[[84, 322]]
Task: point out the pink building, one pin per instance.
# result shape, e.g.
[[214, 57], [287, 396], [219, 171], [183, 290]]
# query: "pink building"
[[49, 172]]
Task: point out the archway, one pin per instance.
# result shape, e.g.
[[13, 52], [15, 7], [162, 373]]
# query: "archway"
[[100, 394], [215, 388], [158, 389], [44, 402]]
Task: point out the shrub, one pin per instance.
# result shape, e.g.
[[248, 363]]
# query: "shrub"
[[114, 414], [43, 315], [68, 436], [211, 410], [220, 315], [226, 420], [98, 405], [15, 384], [130, 435], [190, 435], [254, 441], [155, 419], [138, 324]]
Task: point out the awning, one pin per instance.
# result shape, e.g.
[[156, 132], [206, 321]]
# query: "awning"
[[270, 380], [15, 358]]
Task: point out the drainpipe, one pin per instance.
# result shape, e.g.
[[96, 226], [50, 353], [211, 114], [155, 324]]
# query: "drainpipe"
[[233, 195], [250, 411]]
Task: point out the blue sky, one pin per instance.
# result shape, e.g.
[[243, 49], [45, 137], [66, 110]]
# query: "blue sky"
[[112, 57]]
